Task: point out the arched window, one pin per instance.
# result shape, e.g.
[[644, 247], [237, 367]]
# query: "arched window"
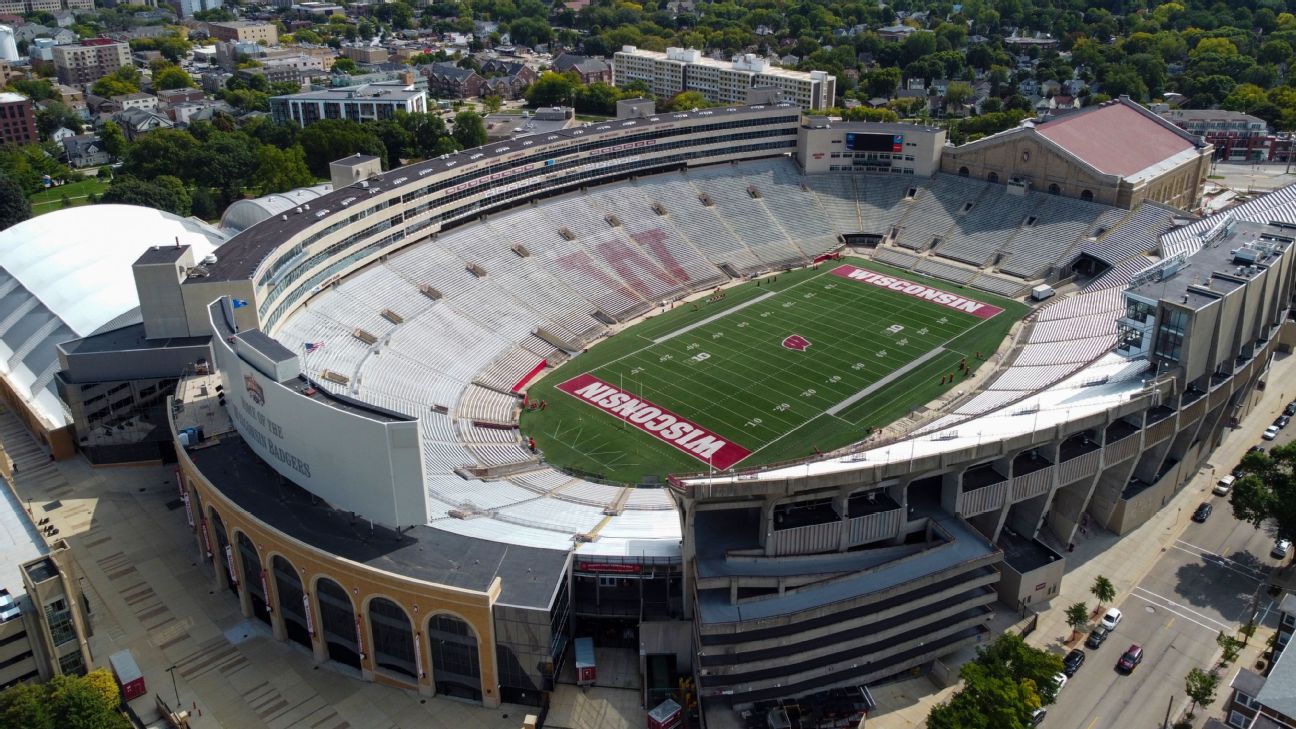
[[993, 177], [963, 172], [1086, 195], [288, 588], [1053, 189], [252, 576], [455, 666], [337, 622], [393, 638]]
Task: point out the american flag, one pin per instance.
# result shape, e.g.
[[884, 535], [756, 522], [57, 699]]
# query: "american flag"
[[312, 346]]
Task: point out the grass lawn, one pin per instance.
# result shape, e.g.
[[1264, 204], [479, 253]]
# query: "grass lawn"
[[77, 192], [729, 366]]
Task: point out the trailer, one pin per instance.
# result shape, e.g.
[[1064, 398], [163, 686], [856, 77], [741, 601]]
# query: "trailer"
[[586, 670], [667, 715], [128, 674]]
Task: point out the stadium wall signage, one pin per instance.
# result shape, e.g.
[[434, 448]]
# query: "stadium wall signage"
[[918, 291], [658, 422]]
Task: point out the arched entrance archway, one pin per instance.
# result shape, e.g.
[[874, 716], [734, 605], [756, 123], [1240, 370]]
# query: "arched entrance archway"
[[1053, 189], [992, 177], [393, 638], [456, 668], [292, 604], [963, 172], [252, 573], [224, 554], [337, 622], [1086, 195]]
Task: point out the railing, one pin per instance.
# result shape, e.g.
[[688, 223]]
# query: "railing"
[[1121, 449], [871, 528], [986, 498], [1161, 430], [1032, 484], [1193, 411], [806, 540], [1074, 469]]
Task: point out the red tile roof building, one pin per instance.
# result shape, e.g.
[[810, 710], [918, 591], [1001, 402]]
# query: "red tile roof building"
[[1118, 153]]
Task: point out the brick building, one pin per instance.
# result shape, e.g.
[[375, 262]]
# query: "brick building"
[[90, 60], [17, 119]]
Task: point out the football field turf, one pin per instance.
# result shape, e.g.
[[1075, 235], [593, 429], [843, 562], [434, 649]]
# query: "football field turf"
[[765, 373]]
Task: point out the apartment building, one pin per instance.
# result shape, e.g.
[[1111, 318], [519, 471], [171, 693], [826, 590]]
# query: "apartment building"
[[245, 31], [358, 103], [17, 119], [18, 7], [43, 622], [1237, 137], [90, 60], [724, 82]]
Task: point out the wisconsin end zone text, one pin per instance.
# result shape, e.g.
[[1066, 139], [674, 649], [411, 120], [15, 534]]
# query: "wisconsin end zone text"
[[662, 424], [918, 291]]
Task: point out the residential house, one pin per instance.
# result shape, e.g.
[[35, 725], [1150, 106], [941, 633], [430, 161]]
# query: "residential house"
[[85, 150], [138, 122], [58, 135], [895, 33], [170, 97], [137, 100], [1029, 87], [590, 69], [446, 80], [507, 79]]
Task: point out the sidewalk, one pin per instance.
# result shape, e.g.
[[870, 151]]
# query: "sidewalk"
[[1123, 560]]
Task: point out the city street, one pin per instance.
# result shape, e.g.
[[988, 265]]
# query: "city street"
[[1205, 581]]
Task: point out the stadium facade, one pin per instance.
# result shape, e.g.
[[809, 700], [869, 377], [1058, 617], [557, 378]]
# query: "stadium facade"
[[350, 461]]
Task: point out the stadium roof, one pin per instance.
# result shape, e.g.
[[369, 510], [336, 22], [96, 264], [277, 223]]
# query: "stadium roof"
[[67, 274], [1117, 138]]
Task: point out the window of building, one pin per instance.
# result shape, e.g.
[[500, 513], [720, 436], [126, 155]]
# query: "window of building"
[[1247, 701], [1238, 719], [72, 663], [59, 618]]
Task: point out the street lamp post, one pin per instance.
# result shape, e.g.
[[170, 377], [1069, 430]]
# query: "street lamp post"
[[175, 686]]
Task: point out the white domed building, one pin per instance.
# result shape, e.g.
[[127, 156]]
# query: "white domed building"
[[66, 285]]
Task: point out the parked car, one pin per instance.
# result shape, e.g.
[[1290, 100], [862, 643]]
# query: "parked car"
[[1280, 549], [1256, 449], [1290, 410], [1282, 421], [1224, 485], [1097, 637], [1037, 716], [1111, 619], [1130, 659], [1060, 679], [1073, 661], [1202, 513], [1270, 433]]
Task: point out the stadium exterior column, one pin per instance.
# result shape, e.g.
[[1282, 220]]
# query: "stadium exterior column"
[[767, 525], [841, 503], [899, 493], [277, 626], [688, 559]]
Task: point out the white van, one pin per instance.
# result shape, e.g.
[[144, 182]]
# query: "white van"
[[1224, 485], [1041, 292]]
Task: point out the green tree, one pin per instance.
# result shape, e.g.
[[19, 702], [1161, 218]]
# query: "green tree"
[[1230, 647], [1200, 687], [279, 170], [172, 76], [55, 115], [161, 152], [687, 101], [330, 140], [865, 113], [224, 161], [125, 80], [1222, 46], [1266, 495], [1077, 616], [114, 141], [957, 94], [1245, 98], [469, 129], [492, 103], [345, 65], [127, 190], [1103, 589], [36, 89], [14, 208], [551, 89], [1002, 687], [25, 705]]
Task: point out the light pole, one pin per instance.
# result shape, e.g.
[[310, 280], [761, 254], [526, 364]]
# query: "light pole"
[[175, 686]]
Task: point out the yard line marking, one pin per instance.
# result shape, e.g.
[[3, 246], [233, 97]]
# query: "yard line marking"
[[1171, 603], [713, 317], [895, 374]]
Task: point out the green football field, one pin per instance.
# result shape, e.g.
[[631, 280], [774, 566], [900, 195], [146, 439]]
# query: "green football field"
[[809, 361]]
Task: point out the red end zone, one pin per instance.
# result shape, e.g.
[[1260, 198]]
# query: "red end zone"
[[658, 422], [918, 291]]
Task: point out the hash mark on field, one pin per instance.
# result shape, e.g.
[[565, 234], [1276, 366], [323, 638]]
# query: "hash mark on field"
[[883, 382], [713, 317]]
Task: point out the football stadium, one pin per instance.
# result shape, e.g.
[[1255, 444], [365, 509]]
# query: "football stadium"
[[768, 408]]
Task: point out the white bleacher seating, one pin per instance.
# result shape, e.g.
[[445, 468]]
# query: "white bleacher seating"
[[478, 403], [894, 257], [947, 271], [836, 194]]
